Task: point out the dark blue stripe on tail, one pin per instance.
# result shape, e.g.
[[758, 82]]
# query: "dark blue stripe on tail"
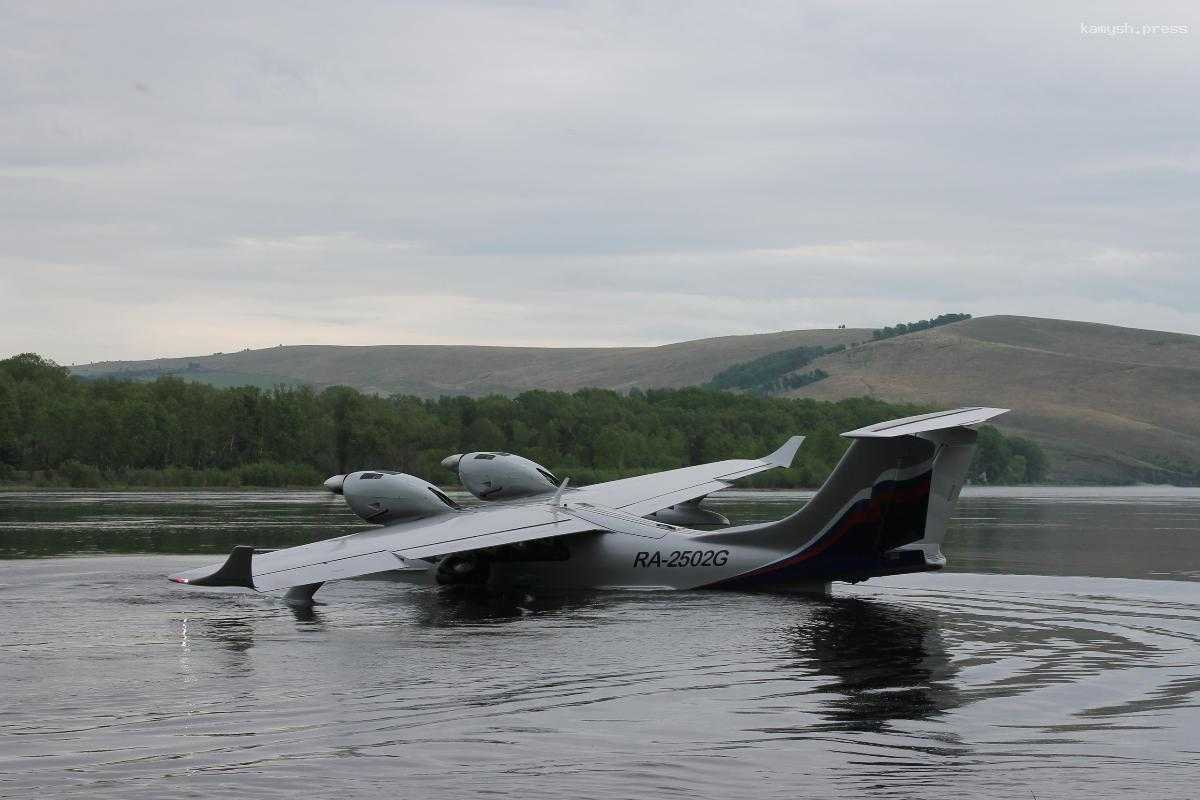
[[853, 547]]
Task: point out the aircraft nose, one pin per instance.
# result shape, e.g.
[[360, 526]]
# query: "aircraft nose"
[[334, 483], [451, 462]]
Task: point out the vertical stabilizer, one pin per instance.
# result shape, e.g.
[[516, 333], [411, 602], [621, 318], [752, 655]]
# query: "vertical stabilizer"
[[882, 511]]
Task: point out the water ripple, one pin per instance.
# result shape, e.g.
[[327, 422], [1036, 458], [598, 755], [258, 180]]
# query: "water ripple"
[[955, 684]]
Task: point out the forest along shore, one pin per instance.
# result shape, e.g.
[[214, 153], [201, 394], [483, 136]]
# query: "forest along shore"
[[60, 430]]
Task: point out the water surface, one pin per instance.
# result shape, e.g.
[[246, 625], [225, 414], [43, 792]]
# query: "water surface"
[[1059, 658]]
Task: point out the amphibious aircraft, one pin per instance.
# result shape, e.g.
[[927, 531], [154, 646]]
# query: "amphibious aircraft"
[[882, 511]]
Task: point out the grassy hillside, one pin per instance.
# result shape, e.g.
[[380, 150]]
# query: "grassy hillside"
[[1108, 403], [435, 370]]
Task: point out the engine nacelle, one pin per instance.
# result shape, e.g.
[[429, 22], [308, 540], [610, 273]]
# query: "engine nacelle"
[[379, 496], [497, 476]]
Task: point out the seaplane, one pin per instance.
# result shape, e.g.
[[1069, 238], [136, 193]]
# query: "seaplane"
[[882, 511]]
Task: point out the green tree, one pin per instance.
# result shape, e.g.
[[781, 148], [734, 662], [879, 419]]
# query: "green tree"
[[483, 434], [174, 432]]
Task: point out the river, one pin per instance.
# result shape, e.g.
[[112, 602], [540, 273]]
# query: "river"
[[1058, 656]]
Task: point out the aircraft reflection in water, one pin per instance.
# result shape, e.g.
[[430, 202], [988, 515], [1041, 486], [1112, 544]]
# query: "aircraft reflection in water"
[[870, 663], [472, 605], [879, 662], [883, 511], [887, 662]]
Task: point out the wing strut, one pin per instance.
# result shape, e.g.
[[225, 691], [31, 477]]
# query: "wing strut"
[[556, 501]]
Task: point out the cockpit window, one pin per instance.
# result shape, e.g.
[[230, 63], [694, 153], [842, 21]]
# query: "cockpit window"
[[547, 475], [370, 476], [485, 456]]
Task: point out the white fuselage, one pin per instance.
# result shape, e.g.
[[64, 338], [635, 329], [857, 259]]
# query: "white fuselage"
[[607, 561]]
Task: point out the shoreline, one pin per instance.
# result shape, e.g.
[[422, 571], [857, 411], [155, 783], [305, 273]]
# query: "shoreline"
[[14, 488]]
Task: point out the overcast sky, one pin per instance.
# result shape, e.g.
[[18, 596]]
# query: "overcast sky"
[[193, 177]]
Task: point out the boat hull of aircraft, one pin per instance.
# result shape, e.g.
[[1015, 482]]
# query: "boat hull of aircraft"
[[596, 561], [883, 511]]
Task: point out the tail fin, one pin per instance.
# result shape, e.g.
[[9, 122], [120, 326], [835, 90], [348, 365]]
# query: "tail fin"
[[883, 510]]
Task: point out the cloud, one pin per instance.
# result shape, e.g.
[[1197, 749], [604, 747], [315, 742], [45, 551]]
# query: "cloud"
[[186, 179]]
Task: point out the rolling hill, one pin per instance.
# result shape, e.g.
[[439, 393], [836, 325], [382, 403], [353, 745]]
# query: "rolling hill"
[[433, 370], [1109, 404]]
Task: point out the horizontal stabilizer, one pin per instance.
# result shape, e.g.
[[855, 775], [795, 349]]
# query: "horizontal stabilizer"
[[926, 423]]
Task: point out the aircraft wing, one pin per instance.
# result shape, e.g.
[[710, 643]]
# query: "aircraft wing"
[[646, 494], [615, 506], [388, 548]]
